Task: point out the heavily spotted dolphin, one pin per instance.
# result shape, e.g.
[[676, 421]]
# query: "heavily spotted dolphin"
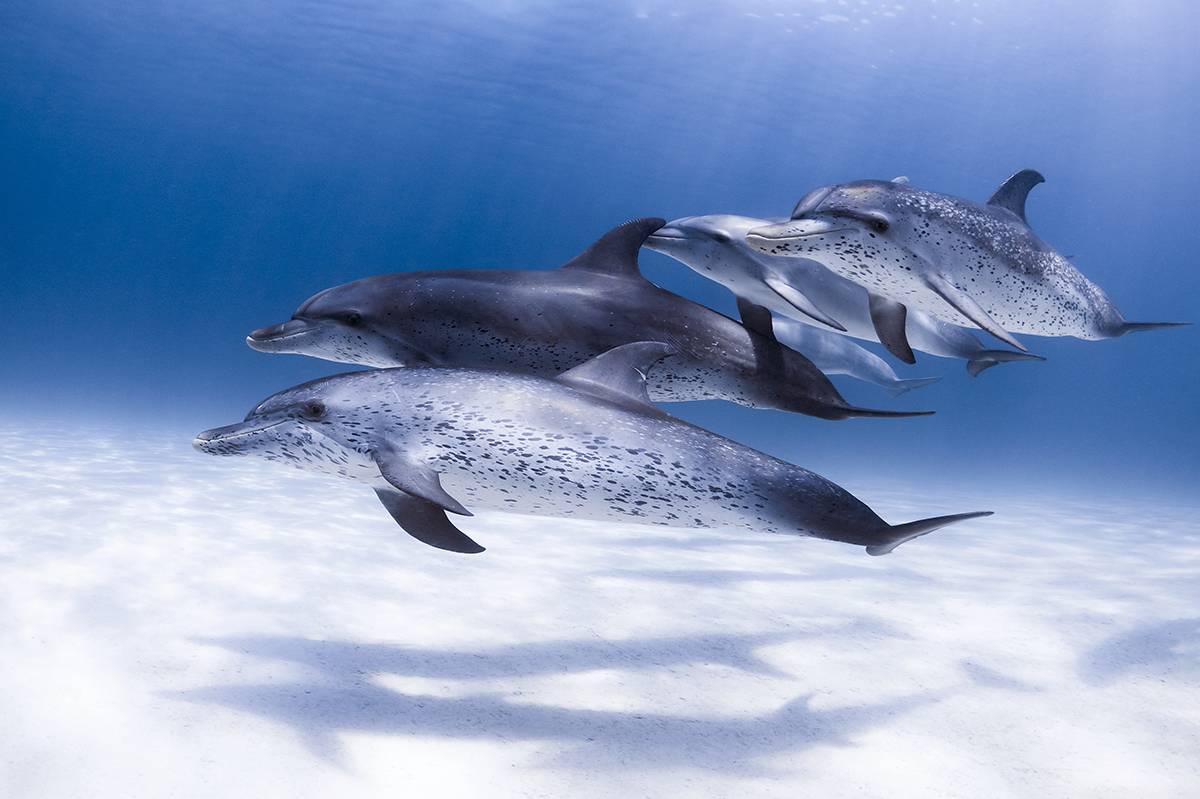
[[955, 259], [715, 246], [587, 444], [544, 322]]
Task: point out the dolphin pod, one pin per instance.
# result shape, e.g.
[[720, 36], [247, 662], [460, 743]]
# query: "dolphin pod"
[[545, 322], [588, 444], [957, 260], [801, 288], [531, 391]]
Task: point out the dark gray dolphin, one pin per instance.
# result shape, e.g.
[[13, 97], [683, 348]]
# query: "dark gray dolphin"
[[544, 322], [587, 444], [957, 260]]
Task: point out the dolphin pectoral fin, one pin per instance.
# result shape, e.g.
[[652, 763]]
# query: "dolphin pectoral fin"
[[756, 317], [801, 303], [969, 308], [417, 480], [899, 533], [889, 318], [425, 521]]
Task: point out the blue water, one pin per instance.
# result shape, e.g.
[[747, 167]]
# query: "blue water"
[[175, 175]]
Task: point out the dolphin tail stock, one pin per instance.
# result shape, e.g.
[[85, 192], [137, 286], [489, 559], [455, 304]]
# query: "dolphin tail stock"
[[989, 358], [1138, 327], [899, 533], [904, 386]]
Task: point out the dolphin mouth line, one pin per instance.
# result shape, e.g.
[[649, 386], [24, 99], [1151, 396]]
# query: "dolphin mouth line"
[[795, 236], [291, 329], [218, 435]]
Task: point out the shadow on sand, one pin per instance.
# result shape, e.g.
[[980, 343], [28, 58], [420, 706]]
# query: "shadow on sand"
[[343, 697], [1155, 650]]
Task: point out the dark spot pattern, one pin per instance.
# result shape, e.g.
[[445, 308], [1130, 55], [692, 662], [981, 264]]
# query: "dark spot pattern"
[[517, 443]]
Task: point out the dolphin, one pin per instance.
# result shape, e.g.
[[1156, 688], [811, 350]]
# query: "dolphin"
[[544, 322], [838, 355], [715, 246], [588, 443], [957, 260]]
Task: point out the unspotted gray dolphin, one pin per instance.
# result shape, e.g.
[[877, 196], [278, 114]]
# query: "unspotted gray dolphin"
[[587, 444], [954, 259], [544, 322], [839, 355], [800, 288]]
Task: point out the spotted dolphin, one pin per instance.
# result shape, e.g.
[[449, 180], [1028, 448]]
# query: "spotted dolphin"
[[546, 321], [715, 246], [960, 261], [587, 444]]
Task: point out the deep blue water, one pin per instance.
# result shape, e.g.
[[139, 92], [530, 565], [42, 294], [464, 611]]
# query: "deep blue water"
[[177, 174]]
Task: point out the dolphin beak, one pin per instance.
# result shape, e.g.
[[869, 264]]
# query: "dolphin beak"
[[663, 239], [269, 339], [769, 238], [206, 441], [226, 440]]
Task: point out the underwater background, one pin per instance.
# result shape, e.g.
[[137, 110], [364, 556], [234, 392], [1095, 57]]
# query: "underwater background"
[[178, 174]]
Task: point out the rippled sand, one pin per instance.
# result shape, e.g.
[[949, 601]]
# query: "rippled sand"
[[182, 625]]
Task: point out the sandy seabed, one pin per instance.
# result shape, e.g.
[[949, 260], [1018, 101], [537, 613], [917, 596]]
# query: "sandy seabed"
[[187, 626]]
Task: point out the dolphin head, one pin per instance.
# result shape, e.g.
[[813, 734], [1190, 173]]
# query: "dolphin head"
[[301, 426], [697, 234], [848, 225], [345, 324], [714, 243]]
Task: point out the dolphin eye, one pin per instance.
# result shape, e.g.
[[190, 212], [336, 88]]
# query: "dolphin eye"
[[880, 225], [312, 410], [353, 318], [721, 238]]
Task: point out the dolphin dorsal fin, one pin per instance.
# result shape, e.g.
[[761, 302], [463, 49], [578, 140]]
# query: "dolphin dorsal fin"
[[619, 375], [616, 252], [1012, 192]]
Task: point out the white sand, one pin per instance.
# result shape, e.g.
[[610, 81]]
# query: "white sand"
[[187, 626]]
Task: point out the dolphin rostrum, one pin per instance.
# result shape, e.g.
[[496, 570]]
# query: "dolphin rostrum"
[[715, 246], [543, 322], [961, 261], [588, 443]]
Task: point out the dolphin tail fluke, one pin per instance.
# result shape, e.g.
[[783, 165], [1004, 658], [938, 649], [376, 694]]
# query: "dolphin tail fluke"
[[900, 533], [1138, 327], [989, 358], [904, 386], [425, 522], [850, 412]]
